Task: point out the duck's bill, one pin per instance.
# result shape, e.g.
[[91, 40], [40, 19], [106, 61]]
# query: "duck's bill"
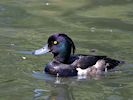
[[41, 51]]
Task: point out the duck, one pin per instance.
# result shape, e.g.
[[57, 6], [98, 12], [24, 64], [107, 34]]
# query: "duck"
[[65, 62]]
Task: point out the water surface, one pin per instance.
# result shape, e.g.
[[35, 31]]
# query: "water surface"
[[104, 25]]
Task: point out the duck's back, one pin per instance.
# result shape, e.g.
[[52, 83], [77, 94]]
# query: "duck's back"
[[85, 61]]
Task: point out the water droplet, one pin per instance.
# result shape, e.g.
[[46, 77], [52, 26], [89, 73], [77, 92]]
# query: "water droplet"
[[47, 3], [93, 29], [23, 57], [12, 44]]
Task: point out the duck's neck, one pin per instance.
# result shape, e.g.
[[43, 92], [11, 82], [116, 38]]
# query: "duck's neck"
[[62, 57]]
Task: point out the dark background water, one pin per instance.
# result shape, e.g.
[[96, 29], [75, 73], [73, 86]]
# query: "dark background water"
[[104, 25]]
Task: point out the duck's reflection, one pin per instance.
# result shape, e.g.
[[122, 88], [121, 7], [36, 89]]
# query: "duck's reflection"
[[61, 88], [61, 92]]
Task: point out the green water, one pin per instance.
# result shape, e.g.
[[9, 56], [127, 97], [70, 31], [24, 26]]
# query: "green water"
[[104, 25]]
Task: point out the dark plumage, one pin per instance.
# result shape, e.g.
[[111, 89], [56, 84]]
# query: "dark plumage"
[[65, 62]]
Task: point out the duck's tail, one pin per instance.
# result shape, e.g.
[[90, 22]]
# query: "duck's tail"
[[113, 63]]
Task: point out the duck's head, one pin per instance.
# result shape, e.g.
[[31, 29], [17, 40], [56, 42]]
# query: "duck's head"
[[60, 45]]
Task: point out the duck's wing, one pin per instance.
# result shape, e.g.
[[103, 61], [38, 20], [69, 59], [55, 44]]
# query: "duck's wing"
[[85, 61]]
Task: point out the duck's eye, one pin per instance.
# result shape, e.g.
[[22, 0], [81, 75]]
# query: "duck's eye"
[[55, 42]]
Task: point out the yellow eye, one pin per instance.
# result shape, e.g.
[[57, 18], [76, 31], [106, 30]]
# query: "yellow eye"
[[55, 42]]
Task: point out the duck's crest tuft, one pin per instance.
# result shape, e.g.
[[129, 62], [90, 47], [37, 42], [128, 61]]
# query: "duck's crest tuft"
[[70, 41]]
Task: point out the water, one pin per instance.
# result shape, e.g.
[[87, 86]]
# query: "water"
[[105, 26]]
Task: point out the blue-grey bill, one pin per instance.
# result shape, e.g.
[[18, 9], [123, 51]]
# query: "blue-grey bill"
[[42, 50]]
